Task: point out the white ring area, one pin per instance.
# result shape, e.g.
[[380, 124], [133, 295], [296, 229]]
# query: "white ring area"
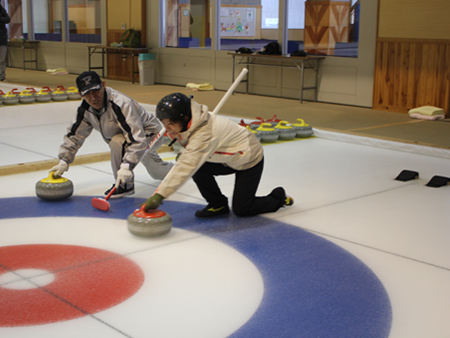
[[26, 279], [194, 286]]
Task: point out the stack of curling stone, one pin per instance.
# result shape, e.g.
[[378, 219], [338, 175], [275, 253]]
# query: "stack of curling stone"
[[149, 224], [302, 129], [54, 189], [268, 134], [285, 131]]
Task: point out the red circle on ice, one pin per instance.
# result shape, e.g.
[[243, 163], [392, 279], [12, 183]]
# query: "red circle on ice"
[[86, 281]]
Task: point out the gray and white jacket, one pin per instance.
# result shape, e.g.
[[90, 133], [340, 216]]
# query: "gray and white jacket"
[[121, 115]]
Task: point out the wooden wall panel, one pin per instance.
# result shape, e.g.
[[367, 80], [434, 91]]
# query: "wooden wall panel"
[[412, 73], [414, 19], [119, 66], [132, 13], [326, 22]]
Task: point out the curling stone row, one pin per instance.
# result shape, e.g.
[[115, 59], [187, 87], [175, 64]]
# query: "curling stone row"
[[271, 132], [30, 95]]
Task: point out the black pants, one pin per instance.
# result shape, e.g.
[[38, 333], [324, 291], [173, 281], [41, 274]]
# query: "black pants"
[[245, 203]]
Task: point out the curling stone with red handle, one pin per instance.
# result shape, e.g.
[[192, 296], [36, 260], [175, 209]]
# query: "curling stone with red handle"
[[43, 96], [153, 223]]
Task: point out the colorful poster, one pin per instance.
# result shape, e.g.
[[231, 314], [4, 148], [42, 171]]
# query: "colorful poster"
[[237, 21]]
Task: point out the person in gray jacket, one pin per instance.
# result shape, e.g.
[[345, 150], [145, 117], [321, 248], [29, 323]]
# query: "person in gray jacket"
[[214, 145], [4, 19], [125, 125]]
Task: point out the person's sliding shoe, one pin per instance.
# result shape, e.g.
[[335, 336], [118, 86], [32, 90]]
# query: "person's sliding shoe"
[[121, 191], [280, 195], [288, 201], [210, 211]]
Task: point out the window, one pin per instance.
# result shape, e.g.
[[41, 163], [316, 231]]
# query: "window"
[[331, 28], [48, 20], [186, 23], [255, 23], [84, 21], [250, 24], [17, 28]]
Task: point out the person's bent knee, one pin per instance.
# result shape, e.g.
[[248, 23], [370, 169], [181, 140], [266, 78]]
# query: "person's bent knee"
[[241, 212]]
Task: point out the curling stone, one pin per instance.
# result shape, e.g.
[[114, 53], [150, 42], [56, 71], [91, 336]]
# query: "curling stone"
[[302, 129], [10, 98], [243, 124], [59, 94], [257, 124], [285, 131], [2, 95], [73, 93], [43, 96], [149, 224], [54, 189], [268, 134], [26, 97], [255, 132], [273, 121]]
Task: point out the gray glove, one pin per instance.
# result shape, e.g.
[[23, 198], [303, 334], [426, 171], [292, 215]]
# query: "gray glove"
[[60, 168]]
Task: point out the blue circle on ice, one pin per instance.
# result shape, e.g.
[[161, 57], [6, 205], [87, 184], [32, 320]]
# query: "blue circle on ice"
[[312, 287]]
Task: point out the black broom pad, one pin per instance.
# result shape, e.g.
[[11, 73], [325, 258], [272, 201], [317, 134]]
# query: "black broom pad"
[[407, 175], [438, 181]]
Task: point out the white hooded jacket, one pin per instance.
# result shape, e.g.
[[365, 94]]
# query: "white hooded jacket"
[[211, 138]]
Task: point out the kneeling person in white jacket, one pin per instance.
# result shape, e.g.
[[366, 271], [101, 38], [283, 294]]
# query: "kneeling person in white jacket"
[[124, 125], [214, 145]]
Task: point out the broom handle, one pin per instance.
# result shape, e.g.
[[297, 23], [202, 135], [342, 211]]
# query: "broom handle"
[[110, 193], [230, 90], [216, 110]]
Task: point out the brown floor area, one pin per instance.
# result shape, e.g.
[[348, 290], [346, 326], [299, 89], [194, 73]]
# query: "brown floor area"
[[331, 117]]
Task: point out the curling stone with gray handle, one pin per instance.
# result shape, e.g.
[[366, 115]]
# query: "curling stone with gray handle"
[[149, 224], [54, 189]]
